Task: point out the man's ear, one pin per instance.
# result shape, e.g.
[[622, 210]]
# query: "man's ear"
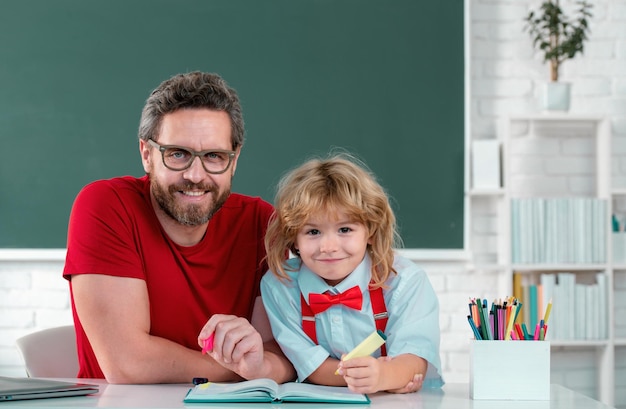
[[144, 151], [234, 164]]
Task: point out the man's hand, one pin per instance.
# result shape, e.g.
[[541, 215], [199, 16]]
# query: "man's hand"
[[237, 345], [248, 350]]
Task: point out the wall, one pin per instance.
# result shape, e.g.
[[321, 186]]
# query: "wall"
[[506, 78]]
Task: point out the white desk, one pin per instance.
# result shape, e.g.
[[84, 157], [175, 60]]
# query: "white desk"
[[452, 396]]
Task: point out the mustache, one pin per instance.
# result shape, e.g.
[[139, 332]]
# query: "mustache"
[[192, 186]]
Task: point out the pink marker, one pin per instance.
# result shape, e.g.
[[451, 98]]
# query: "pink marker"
[[208, 344]]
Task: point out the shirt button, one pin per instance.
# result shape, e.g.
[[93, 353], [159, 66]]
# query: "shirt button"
[[336, 320]]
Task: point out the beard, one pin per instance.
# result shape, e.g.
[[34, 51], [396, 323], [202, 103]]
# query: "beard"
[[189, 215]]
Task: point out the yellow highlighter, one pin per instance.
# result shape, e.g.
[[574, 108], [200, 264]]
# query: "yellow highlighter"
[[366, 347]]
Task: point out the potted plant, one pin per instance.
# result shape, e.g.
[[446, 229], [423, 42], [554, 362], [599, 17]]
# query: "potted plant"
[[559, 38]]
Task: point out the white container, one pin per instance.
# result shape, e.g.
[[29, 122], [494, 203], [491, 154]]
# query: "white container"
[[510, 370], [557, 96]]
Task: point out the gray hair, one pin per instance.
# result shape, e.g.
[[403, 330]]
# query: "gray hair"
[[192, 90]]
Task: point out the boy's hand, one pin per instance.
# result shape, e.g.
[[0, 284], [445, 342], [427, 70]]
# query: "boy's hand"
[[414, 385], [363, 374]]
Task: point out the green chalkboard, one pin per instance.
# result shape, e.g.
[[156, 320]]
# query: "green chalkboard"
[[383, 79]]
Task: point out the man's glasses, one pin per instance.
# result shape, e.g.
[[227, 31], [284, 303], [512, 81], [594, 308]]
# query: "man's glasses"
[[214, 161]]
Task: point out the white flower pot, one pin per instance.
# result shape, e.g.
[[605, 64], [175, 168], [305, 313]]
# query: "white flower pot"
[[556, 96]]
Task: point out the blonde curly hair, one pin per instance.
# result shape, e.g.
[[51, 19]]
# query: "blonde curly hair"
[[339, 182]]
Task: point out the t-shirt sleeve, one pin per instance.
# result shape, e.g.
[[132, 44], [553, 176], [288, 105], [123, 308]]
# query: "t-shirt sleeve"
[[100, 236]]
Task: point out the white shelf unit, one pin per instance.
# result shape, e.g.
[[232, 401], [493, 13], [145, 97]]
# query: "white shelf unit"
[[558, 127]]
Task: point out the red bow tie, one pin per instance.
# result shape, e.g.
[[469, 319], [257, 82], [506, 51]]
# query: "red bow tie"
[[350, 298]]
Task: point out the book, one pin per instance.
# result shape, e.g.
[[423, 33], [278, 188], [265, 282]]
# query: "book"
[[486, 164], [267, 390], [601, 280]]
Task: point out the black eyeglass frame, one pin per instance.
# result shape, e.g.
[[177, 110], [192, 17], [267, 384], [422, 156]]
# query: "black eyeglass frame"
[[163, 148]]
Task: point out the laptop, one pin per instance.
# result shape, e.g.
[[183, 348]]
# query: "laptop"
[[33, 388]]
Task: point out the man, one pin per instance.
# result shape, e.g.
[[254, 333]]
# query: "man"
[[150, 259]]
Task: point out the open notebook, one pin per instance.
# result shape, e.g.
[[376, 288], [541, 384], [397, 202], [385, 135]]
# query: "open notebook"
[[34, 388], [266, 390]]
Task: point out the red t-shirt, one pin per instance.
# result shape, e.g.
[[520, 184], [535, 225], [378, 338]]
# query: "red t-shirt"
[[113, 230]]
